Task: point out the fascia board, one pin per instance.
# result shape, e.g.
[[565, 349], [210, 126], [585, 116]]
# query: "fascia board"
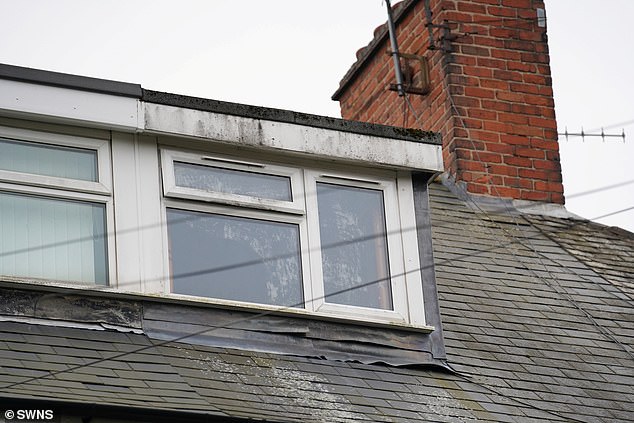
[[62, 105], [287, 137]]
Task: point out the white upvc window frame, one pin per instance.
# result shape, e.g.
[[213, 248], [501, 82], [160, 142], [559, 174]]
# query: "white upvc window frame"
[[399, 312], [168, 157], [102, 147], [41, 186], [404, 266], [219, 209]]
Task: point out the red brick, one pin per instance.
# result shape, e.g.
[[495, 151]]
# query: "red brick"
[[502, 11], [506, 192], [504, 33], [453, 16], [530, 152], [526, 130], [475, 51], [494, 83], [539, 100], [554, 176], [466, 101], [544, 144], [491, 136], [515, 140], [471, 176], [534, 195], [533, 174], [478, 92], [496, 105], [527, 110], [513, 97], [557, 198], [502, 91], [518, 45], [508, 75], [464, 59], [518, 183], [471, 165], [477, 189], [488, 41], [472, 123], [549, 186], [522, 67], [482, 114], [513, 118], [500, 148], [535, 58], [547, 165], [471, 7], [522, 4], [496, 126], [487, 157], [530, 36], [518, 161], [470, 144], [481, 72], [503, 170]]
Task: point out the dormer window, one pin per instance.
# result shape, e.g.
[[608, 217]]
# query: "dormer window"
[[325, 240]]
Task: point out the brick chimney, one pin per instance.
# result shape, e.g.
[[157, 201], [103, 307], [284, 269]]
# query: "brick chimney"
[[489, 93]]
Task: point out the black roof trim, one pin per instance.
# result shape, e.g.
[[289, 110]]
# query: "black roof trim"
[[400, 11], [287, 116], [57, 79]]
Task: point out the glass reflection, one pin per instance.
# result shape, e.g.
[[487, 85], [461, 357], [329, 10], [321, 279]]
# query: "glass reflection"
[[354, 246], [235, 258]]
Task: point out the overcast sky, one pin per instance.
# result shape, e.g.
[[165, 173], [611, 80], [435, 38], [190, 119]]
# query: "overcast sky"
[[292, 54]]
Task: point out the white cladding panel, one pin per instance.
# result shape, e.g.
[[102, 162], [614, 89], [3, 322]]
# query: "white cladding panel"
[[30, 101]]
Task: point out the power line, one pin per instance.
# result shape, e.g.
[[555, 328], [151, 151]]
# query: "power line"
[[600, 189], [613, 213], [606, 332], [117, 233], [211, 328], [614, 125]]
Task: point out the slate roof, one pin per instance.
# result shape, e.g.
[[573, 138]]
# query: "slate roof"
[[538, 322]]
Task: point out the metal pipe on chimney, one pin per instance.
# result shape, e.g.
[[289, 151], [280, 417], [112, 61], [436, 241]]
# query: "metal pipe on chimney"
[[395, 55]]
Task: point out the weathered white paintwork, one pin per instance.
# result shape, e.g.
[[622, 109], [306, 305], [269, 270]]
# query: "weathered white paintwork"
[[287, 137], [82, 108]]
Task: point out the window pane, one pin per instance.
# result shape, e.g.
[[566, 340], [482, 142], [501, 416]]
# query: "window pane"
[[230, 181], [354, 246], [52, 239], [235, 258], [48, 160]]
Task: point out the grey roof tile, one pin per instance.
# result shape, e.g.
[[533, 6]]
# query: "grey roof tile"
[[512, 327]]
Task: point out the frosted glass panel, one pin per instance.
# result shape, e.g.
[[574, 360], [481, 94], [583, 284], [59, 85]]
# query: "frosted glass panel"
[[48, 160], [354, 246], [235, 258], [48, 238], [231, 181]]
